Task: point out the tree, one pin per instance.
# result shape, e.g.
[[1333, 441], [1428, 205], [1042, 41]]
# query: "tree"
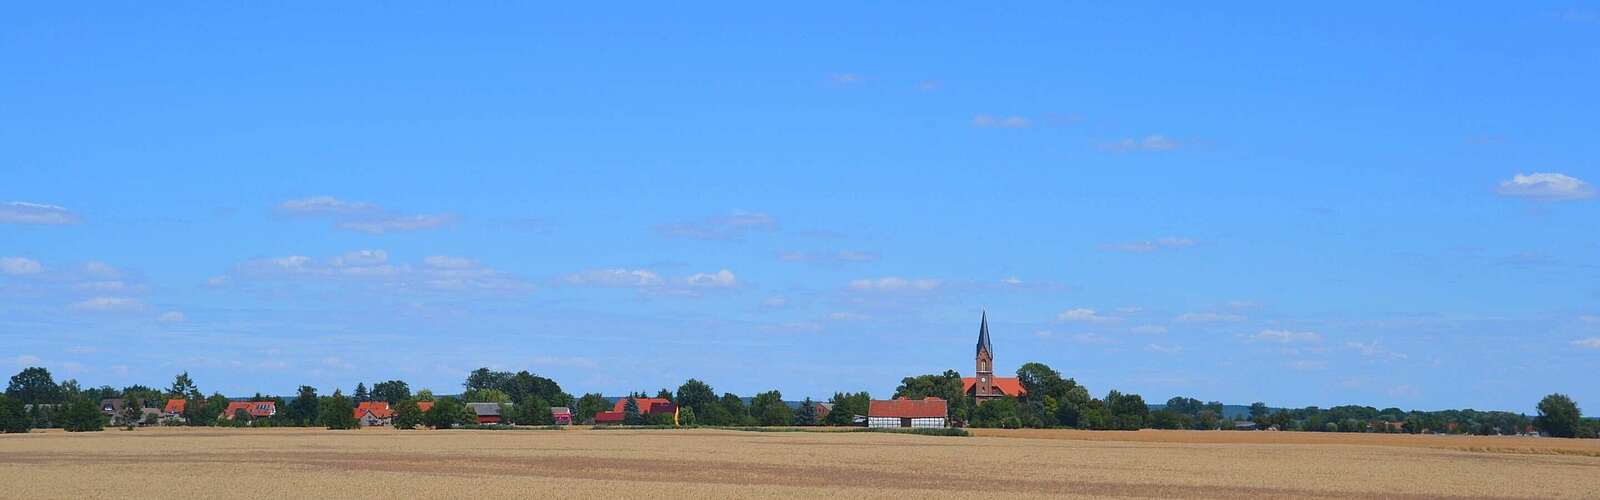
[[183, 387], [337, 412], [769, 409], [946, 386], [630, 412], [999, 412], [731, 410], [82, 415], [1558, 416], [588, 405], [13, 417], [1128, 411], [33, 386], [696, 395], [361, 395], [132, 413], [535, 411], [446, 413], [485, 396], [807, 414], [304, 408], [846, 406], [686, 416], [425, 395], [484, 378], [407, 415], [393, 391]]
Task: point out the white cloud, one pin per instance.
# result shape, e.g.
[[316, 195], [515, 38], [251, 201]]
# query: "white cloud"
[[615, 278], [835, 257], [1149, 329], [1083, 315], [1404, 391], [1208, 317], [27, 360], [1590, 343], [1374, 350], [397, 223], [1546, 187], [19, 266], [336, 363], [361, 216], [360, 258], [987, 121], [102, 304], [1308, 365], [1286, 336], [1148, 246], [448, 262], [848, 316], [22, 212], [726, 227], [775, 301], [1153, 142], [719, 279], [1164, 348], [795, 326], [895, 284], [326, 205], [101, 270], [172, 317]]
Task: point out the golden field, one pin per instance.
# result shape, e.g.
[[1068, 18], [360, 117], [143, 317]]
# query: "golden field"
[[578, 463]]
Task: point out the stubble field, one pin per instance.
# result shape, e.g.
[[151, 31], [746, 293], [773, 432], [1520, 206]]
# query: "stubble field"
[[308, 463]]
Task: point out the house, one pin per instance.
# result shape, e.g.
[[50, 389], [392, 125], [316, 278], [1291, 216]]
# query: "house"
[[174, 407], [561, 414], [488, 413], [926, 413], [112, 407], [823, 409], [647, 406], [256, 409], [373, 413], [424, 406], [1244, 425], [985, 386]]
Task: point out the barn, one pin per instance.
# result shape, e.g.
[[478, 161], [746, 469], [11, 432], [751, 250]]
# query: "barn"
[[927, 413]]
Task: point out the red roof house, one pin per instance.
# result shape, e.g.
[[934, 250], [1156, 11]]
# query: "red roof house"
[[647, 406], [424, 406], [904, 412], [175, 406], [256, 409], [372, 413]]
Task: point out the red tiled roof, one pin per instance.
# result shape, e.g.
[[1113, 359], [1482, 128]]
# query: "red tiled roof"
[[647, 405], [379, 409], [1010, 386], [424, 406], [175, 406], [930, 407], [254, 408], [608, 417]]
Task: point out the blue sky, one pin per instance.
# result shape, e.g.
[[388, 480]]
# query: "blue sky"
[[1385, 205]]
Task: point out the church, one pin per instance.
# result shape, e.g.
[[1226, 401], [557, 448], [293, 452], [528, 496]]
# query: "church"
[[985, 386]]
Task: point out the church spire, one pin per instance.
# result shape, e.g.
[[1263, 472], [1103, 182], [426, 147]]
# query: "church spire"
[[983, 334]]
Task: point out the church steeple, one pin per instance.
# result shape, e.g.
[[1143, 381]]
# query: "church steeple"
[[983, 334]]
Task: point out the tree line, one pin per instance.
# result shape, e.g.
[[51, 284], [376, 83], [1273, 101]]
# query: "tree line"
[[34, 400]]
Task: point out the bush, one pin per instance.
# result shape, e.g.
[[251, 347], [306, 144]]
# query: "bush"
[[82, 415], [13, 418]]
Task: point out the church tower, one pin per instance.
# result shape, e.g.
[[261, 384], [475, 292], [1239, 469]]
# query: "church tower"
[[983, 388]]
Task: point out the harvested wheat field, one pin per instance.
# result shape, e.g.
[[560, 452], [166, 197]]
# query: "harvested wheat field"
[[374, 463]]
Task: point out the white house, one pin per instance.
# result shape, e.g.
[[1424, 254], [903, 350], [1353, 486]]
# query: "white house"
[[928, 413]]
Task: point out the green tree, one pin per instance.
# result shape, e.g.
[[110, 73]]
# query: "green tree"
[[34, 386], [731, 410], [484, 378], [183, 387], [392, 391], [132, 412], [807, 415], [630, 412], [361, 395], [485, 396], [588, 405], [696, 395], [13, 416], [82, 414], [407, 415], [768, 409], [999, 412], [1558, 416], [686, 417], [846, 406], [425, 395], [303, 411], [1128, 411], [446, 413], [946, 386], [337, 412]]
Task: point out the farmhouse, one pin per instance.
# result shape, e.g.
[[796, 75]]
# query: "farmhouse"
[[174, 408], [561, 414], [904, 412], [985, 386], [488, 413], [373, 413], [256, 409], [647, 406]]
